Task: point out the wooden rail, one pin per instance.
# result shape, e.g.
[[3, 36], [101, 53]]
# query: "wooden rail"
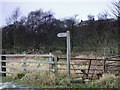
[[29, 61], [51, 61], [26, 68], [27, 55]]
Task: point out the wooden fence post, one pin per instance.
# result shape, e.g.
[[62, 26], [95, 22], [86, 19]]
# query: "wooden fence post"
[[104, 65], [89, 67], [55, 68], [50, 60], [3, 58], [55, 64], [24, 65]]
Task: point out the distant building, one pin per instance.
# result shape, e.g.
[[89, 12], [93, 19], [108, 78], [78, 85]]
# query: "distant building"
[[84, 23], [87, 22]]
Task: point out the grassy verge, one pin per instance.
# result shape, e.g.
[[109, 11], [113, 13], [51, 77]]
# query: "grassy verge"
[[6, 79], [44, 79], [106, 81]]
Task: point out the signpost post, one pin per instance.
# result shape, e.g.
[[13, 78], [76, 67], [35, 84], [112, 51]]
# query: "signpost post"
[[67, 35]]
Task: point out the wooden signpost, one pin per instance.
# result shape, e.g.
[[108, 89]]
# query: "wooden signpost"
[[67, 35]]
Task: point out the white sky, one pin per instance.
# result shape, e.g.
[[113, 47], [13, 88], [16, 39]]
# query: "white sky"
[[61, 8]]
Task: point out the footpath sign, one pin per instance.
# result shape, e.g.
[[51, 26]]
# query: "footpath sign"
[[62, 34], [67, 35]]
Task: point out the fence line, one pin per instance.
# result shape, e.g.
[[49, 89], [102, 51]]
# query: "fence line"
[[51, 61], [29, 61], [103, 65], [26, 55], [28, 69]]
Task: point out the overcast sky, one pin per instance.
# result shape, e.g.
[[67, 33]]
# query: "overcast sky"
[[61, 8]]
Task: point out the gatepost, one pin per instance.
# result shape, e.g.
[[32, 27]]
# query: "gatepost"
[[3, 64]]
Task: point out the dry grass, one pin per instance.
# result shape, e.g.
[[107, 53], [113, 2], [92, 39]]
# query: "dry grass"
[[47, 79], [106, 81], [39, 78]]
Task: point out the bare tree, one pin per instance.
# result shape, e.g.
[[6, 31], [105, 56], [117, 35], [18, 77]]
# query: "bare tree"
[[116, 13], [14, 18], [14, 21], [103, 15], [116, 8]]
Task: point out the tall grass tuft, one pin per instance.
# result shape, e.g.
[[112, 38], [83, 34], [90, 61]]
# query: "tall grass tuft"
[[106, 81], [39, 79]]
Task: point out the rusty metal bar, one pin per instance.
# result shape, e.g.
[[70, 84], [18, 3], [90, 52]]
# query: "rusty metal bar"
[[89, 59]]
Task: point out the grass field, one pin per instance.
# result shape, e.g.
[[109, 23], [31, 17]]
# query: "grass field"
[[47, 80]]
